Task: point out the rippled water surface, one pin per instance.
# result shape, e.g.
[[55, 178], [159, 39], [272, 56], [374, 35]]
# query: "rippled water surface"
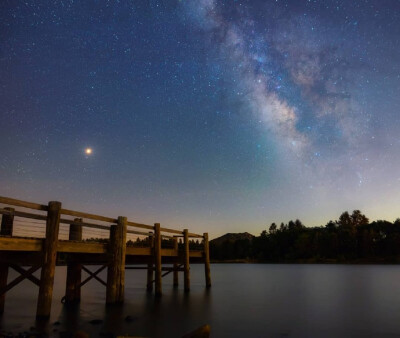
[[246, 300]]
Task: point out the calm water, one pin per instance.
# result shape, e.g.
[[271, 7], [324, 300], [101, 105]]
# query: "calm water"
[[246, 300]]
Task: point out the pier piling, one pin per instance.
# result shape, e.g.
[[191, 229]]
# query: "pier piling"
[[186, 266], [6, 229], [74, 267], [49, 260]]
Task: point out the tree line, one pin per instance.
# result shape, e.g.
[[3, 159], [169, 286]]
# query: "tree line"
[[351, 238]]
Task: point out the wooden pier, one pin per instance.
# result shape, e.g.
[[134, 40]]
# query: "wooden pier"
[[114, 253]]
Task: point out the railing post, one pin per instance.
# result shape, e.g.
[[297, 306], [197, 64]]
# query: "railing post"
[[6, 229], [149, 285], [49, 260], [74, 268], [116, 268], [186, 267], [157, 258], [176, 276], [207, 261]]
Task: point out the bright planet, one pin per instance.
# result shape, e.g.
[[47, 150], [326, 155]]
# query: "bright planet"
[[88, 151]]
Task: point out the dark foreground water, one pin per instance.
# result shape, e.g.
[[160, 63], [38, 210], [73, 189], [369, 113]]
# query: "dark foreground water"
[[246, 300]]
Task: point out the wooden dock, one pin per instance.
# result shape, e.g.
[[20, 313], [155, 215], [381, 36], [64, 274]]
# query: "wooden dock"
[[115, 253]]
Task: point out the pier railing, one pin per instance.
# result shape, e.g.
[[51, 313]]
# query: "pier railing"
[[49, 235]]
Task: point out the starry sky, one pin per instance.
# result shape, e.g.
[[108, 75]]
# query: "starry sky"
[[218, 116]]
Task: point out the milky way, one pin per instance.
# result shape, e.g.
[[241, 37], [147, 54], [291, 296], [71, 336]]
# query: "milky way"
[[216, 115]]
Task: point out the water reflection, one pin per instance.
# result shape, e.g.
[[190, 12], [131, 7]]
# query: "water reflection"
[[244, 301]]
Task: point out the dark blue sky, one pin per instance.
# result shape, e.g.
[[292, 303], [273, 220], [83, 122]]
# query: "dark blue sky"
[[213, 115]]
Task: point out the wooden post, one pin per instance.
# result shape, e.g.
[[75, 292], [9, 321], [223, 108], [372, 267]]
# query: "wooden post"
[[74, 268], [149, 285], [157, 258], [49, 260], [207, 261], [6, 229], [176, 276], [186, 267], [116, 268]]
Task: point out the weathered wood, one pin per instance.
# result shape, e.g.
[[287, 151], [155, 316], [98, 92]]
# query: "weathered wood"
[[186, 266], [157, 259], [116, 268], [49, 260], [27, 275], [194, 235], [139, 225], [149, 284], [176, 274], [19, 279], [23, 214], [24, 204], [94, 275], [87, 215], [6, 229], [207, 271], [74, 268]]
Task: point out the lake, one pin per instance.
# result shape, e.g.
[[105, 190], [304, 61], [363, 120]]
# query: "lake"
[[246, 300]]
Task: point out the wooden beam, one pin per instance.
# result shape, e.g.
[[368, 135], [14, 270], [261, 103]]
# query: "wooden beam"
[[93, 275], [24, 204], [19, 279], [87, 215], [186, 255], [20, 244], [26, 274], [139, 225], [6, 229], [157, 259], [74, 268], [49, 260], [116, 268], [207, 271]]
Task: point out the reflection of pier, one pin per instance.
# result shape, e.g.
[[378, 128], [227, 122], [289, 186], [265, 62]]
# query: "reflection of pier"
[[113, 252]]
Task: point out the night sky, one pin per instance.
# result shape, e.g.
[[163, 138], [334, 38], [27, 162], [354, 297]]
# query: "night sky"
[[218, 116]]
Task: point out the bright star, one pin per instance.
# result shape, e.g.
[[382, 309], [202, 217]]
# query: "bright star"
[[88, 151]]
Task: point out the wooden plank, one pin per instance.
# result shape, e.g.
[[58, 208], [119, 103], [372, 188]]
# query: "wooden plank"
[[195, 235], [169, 252], [20, 244], [87, 215], [137, 232], [179, 232], [49, 260], [139, 225], [196, 254], [138, 251], [82, 247], [86, 225], [24, 204]]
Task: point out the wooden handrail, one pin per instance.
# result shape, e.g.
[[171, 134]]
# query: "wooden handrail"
[[24, 204], [41, 207], [86, 215]]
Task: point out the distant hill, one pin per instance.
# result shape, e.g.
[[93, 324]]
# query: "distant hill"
[[231, 237]]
